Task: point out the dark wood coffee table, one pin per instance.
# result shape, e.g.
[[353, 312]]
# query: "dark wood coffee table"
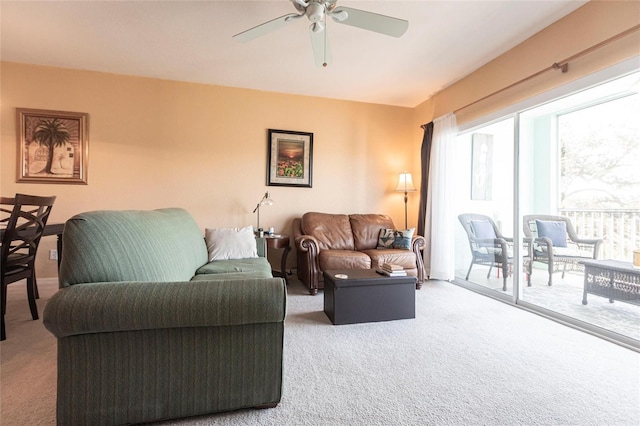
[[367, 296], [613, 279]]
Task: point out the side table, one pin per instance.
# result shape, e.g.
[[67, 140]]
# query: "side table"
[[613, 279], [280, 242]]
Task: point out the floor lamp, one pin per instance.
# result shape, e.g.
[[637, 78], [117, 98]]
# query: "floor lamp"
[[405, 184]]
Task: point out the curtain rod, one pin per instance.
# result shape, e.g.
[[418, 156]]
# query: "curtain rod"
[[562, 65]]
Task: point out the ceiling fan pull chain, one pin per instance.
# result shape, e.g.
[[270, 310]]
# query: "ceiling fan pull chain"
[[324, 62]]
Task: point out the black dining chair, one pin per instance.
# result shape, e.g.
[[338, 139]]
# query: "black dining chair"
[[23, 220]]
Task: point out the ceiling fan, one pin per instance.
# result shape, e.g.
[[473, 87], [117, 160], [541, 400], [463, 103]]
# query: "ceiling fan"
[[317, 11]]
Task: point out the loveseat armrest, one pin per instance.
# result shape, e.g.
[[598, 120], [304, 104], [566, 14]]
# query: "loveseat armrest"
[[418, 242], [308, 246], [306, 243], [127, 306]]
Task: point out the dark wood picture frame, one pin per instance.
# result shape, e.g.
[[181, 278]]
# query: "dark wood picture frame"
[[290, 158], [52, 146]]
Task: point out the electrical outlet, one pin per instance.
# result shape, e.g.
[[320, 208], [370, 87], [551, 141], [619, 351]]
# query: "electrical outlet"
[[53, 254]]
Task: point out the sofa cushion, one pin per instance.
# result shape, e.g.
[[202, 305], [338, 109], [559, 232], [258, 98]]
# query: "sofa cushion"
[[131, 245], [366, 229], [404, 258], [258, 267], [332, 231], [238, 276], [231, 243], [343, 259]]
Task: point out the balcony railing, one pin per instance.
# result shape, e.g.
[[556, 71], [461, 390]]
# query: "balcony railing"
[[619, 230]]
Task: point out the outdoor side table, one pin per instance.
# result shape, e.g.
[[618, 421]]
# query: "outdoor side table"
[[613, 279]]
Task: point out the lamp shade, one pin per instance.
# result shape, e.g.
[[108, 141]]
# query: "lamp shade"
[[266, 200], [405, 183]]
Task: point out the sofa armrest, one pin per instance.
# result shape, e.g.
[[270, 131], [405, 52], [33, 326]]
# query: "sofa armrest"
[[261, 246], [127, 306]]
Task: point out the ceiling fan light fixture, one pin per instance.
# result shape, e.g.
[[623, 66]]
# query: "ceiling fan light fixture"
[[315, 12], [339, 16], [316, 27]]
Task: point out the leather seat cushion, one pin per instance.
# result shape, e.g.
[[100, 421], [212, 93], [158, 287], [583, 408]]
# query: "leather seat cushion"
[[404, 258], [343, 259], [332, 231]]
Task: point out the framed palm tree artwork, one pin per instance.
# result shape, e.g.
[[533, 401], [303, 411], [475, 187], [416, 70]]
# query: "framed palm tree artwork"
[[290, 161], [52, 146]]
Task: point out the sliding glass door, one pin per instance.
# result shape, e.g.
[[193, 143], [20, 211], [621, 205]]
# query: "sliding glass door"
[[562, 178], [484, 207]]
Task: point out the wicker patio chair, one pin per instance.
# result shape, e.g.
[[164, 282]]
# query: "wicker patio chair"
[[489, 247], [556, 243]]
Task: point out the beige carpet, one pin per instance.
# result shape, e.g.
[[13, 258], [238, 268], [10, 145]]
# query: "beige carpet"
[[464, 360]]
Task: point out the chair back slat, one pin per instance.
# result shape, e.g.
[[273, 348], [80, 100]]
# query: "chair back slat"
[[24, 223]]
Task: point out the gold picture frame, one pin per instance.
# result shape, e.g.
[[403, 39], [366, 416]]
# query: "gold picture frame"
[[52, 146]]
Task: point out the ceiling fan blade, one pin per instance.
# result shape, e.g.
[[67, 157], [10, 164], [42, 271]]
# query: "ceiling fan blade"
[[382, 24], [320, 45], [265, 28]]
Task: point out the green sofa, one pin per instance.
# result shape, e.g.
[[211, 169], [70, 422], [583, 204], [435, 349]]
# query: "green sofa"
[[148, 329]]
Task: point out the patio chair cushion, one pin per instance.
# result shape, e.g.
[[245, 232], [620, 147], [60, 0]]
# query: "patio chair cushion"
[[570, 252], [483, 229], [555, 231], [496, 251]]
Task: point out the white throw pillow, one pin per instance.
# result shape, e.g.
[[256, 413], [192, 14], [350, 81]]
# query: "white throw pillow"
[[231, 243]]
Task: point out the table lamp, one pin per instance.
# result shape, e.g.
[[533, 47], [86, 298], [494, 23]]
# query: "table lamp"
[[265, 201]]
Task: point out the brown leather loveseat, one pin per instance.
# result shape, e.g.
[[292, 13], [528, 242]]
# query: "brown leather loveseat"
[[338, 241]]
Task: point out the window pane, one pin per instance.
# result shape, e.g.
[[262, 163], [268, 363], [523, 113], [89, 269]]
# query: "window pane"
[[484, 207], [579, 178]]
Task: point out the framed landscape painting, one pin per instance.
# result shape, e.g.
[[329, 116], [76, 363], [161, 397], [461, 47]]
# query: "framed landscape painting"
[[52, 146], [290, 158]]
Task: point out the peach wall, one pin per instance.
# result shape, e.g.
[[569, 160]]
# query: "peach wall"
[[589, 25], [156, 143]]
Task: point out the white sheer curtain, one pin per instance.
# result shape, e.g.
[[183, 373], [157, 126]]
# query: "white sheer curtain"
[[439, 252]]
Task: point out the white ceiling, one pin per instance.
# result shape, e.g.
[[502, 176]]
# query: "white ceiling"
[[192, 41]]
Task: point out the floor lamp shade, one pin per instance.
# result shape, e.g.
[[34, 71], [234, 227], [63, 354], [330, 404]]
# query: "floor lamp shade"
[[405, 184]]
